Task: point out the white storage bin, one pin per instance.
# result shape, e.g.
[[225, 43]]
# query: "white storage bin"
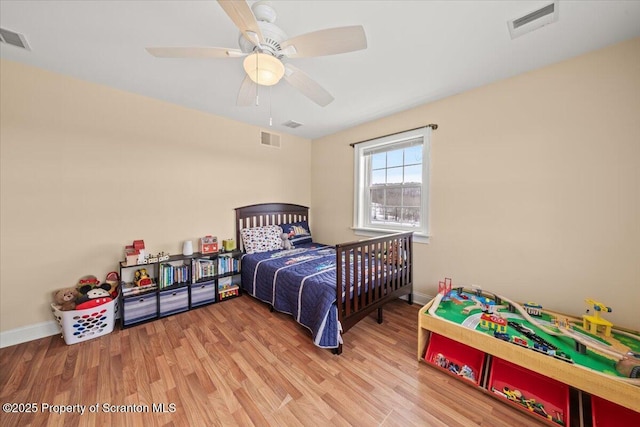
[[83, 325]]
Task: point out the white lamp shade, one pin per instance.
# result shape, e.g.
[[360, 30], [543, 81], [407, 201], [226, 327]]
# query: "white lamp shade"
[[263, 69]]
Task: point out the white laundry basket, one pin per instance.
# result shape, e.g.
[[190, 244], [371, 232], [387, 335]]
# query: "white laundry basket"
[[83, 325]]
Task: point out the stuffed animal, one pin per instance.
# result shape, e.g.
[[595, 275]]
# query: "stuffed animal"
[[93, 296], [88, 280], [65, 298], [113, 280], [286, 243], [92, 293], [394, 254]]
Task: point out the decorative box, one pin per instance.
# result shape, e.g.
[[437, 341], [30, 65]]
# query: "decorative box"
[[208, 244], [135, 254], [229, 245]]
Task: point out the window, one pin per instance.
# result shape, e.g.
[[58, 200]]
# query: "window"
[[392, 183]]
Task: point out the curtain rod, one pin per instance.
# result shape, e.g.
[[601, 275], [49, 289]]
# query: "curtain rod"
[[430, 125]]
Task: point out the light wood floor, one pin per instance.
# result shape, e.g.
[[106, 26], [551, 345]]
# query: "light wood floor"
[[235, 363]]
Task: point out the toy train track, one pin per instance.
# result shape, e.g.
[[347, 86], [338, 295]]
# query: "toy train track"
[[540, 345], [627, 363], [531, 335]]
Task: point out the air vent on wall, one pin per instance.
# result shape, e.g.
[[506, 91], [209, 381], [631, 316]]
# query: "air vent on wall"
[[270, 139], [533, 20], [14, 39], [292, 124]]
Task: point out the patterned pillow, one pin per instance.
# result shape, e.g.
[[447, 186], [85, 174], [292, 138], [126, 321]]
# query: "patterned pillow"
[[261, 239], [299, 232]]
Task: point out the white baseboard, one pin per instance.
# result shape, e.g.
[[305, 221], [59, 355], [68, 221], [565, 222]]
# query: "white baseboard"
[[29, 333], [419, 298]]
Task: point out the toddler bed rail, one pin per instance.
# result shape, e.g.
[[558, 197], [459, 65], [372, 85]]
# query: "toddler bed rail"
[[381, 271]]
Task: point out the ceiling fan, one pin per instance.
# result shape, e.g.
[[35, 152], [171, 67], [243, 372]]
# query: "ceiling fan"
[[266, 49]]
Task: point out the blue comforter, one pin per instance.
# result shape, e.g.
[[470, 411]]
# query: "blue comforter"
[[300, 282]]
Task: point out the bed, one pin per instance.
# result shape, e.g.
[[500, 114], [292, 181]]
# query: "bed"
[[327, 289]]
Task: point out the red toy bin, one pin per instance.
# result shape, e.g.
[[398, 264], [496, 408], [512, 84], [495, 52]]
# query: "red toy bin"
[[446, 353], [609, 414], [526, 390]]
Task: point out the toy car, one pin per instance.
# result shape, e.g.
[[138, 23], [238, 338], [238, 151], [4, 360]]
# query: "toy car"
[[520, 341], [563, 356], [502, 336]]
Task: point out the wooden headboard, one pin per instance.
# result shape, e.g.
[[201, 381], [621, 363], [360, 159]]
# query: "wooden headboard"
[[268, 214]]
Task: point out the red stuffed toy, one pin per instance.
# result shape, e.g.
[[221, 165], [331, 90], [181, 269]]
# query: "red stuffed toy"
[[92, 294]]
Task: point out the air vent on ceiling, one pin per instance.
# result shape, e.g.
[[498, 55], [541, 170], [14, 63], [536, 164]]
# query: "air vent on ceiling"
[[14, 39], [270, 139], [292, 124], [534, 20]]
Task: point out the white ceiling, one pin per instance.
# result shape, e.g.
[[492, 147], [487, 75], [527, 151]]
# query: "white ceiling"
[[418, 51]]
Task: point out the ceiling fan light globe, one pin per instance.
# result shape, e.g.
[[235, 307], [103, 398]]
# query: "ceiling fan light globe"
[[263, 69]]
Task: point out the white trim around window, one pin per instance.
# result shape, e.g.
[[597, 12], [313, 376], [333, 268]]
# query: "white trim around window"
[[391, 184]]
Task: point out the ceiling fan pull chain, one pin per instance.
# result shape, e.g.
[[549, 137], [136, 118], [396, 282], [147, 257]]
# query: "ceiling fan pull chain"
[[270, 101], [257, 69], [257, 79]]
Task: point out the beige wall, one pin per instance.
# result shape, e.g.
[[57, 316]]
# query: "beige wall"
[[535, 185], [86, 169]]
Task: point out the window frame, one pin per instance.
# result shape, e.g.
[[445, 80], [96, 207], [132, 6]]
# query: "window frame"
[[361, 205]]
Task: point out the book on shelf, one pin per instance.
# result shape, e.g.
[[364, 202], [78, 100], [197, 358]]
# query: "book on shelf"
[[171, 274], [228, 264], [203, 269]]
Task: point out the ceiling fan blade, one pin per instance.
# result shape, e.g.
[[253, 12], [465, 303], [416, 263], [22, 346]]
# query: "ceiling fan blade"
[[326, 42], [247, 93], [305, 84], [241, 15], [194, 52]]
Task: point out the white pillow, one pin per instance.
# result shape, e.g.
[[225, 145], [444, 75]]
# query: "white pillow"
[[261, 239]]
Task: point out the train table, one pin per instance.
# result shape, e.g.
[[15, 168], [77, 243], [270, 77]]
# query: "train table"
[[533, 358]]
